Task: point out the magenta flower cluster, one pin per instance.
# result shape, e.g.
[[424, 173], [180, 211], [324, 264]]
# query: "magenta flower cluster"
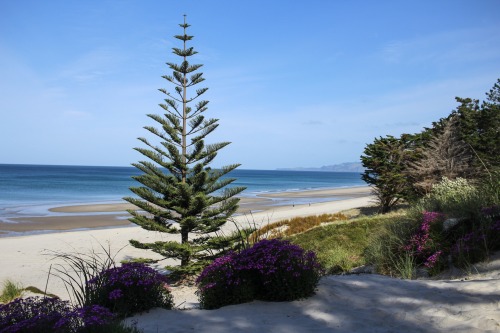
[[273, 270], [422, 245], [130, 288], [37, 314]]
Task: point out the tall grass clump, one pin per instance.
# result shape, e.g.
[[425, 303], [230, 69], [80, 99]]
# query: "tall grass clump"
[[385, 248], [77, 269], [95, 279], [10, 291], [271, 270]]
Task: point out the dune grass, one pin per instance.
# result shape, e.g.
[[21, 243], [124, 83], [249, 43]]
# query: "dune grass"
[[340, 246], [10, 291], [293, 226]]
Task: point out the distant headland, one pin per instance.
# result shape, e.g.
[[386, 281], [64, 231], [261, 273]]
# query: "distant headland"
[[342, 167]]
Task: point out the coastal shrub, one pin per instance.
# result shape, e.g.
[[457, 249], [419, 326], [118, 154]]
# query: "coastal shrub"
[[476, 243], [280, 270], [456, 198], [32, 314], [425, 245], [403, 246], [131, 288], [272, 270], [221, 284], [47, 314]]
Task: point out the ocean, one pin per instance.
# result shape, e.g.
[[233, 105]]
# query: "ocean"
[[30, 190]]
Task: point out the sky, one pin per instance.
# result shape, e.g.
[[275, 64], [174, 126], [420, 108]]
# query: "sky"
[[293, 83]]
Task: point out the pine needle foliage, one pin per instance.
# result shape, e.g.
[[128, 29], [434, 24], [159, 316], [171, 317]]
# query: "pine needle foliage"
[[180, 193]]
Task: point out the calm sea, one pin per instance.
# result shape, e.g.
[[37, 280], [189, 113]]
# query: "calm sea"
[[29, 190]]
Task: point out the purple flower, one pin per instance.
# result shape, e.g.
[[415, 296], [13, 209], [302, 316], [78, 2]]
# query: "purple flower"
[[131, 288], [271, 269], [115, 294]]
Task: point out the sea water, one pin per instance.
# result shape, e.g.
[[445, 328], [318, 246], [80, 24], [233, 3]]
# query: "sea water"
[[30, 190]]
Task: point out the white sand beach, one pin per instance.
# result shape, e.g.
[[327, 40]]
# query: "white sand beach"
[[354, 303], [350, 303]]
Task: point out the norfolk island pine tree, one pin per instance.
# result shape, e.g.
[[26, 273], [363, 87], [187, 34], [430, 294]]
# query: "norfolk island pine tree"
[[180, 192]]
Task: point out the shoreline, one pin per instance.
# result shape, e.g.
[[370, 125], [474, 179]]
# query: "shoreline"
[[269, 206], [27, 258]]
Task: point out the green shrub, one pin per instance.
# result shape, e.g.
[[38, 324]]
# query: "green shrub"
[[456, 198]]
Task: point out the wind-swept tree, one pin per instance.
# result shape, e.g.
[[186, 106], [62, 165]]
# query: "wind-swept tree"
[[479, 126], [444, 155], [385, 163], [180, 193]]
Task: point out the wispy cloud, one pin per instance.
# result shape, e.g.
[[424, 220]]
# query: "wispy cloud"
[[90, 66], [456, 46]]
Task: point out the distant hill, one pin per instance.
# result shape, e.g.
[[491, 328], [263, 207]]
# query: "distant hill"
[[343, 167]]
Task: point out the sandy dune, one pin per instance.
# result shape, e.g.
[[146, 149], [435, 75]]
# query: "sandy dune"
[[353, 303]]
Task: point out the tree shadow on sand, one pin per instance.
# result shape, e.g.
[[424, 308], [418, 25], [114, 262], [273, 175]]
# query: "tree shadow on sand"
[[351, 303]]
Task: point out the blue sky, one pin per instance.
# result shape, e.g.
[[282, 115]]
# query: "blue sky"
[[294, 83]]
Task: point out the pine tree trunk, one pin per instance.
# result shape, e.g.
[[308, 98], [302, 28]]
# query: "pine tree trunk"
[[184, 239]]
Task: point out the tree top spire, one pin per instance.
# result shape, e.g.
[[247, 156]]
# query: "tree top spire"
[[185, 25]]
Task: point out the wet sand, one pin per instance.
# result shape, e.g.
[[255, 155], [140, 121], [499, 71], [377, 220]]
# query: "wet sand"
[[269, 206]]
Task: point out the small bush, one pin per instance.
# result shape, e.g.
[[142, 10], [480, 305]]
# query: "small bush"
[[33, 314], [52, 315], [475, 243], [280, 270], [221, 284], [426, 243], [129, 289], [273, 270], [457, 198]]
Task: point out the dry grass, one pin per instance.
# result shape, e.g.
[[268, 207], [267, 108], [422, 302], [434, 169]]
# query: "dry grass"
[[294, 226]]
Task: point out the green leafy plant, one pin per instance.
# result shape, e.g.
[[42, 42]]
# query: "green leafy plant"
[[454, 197]]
